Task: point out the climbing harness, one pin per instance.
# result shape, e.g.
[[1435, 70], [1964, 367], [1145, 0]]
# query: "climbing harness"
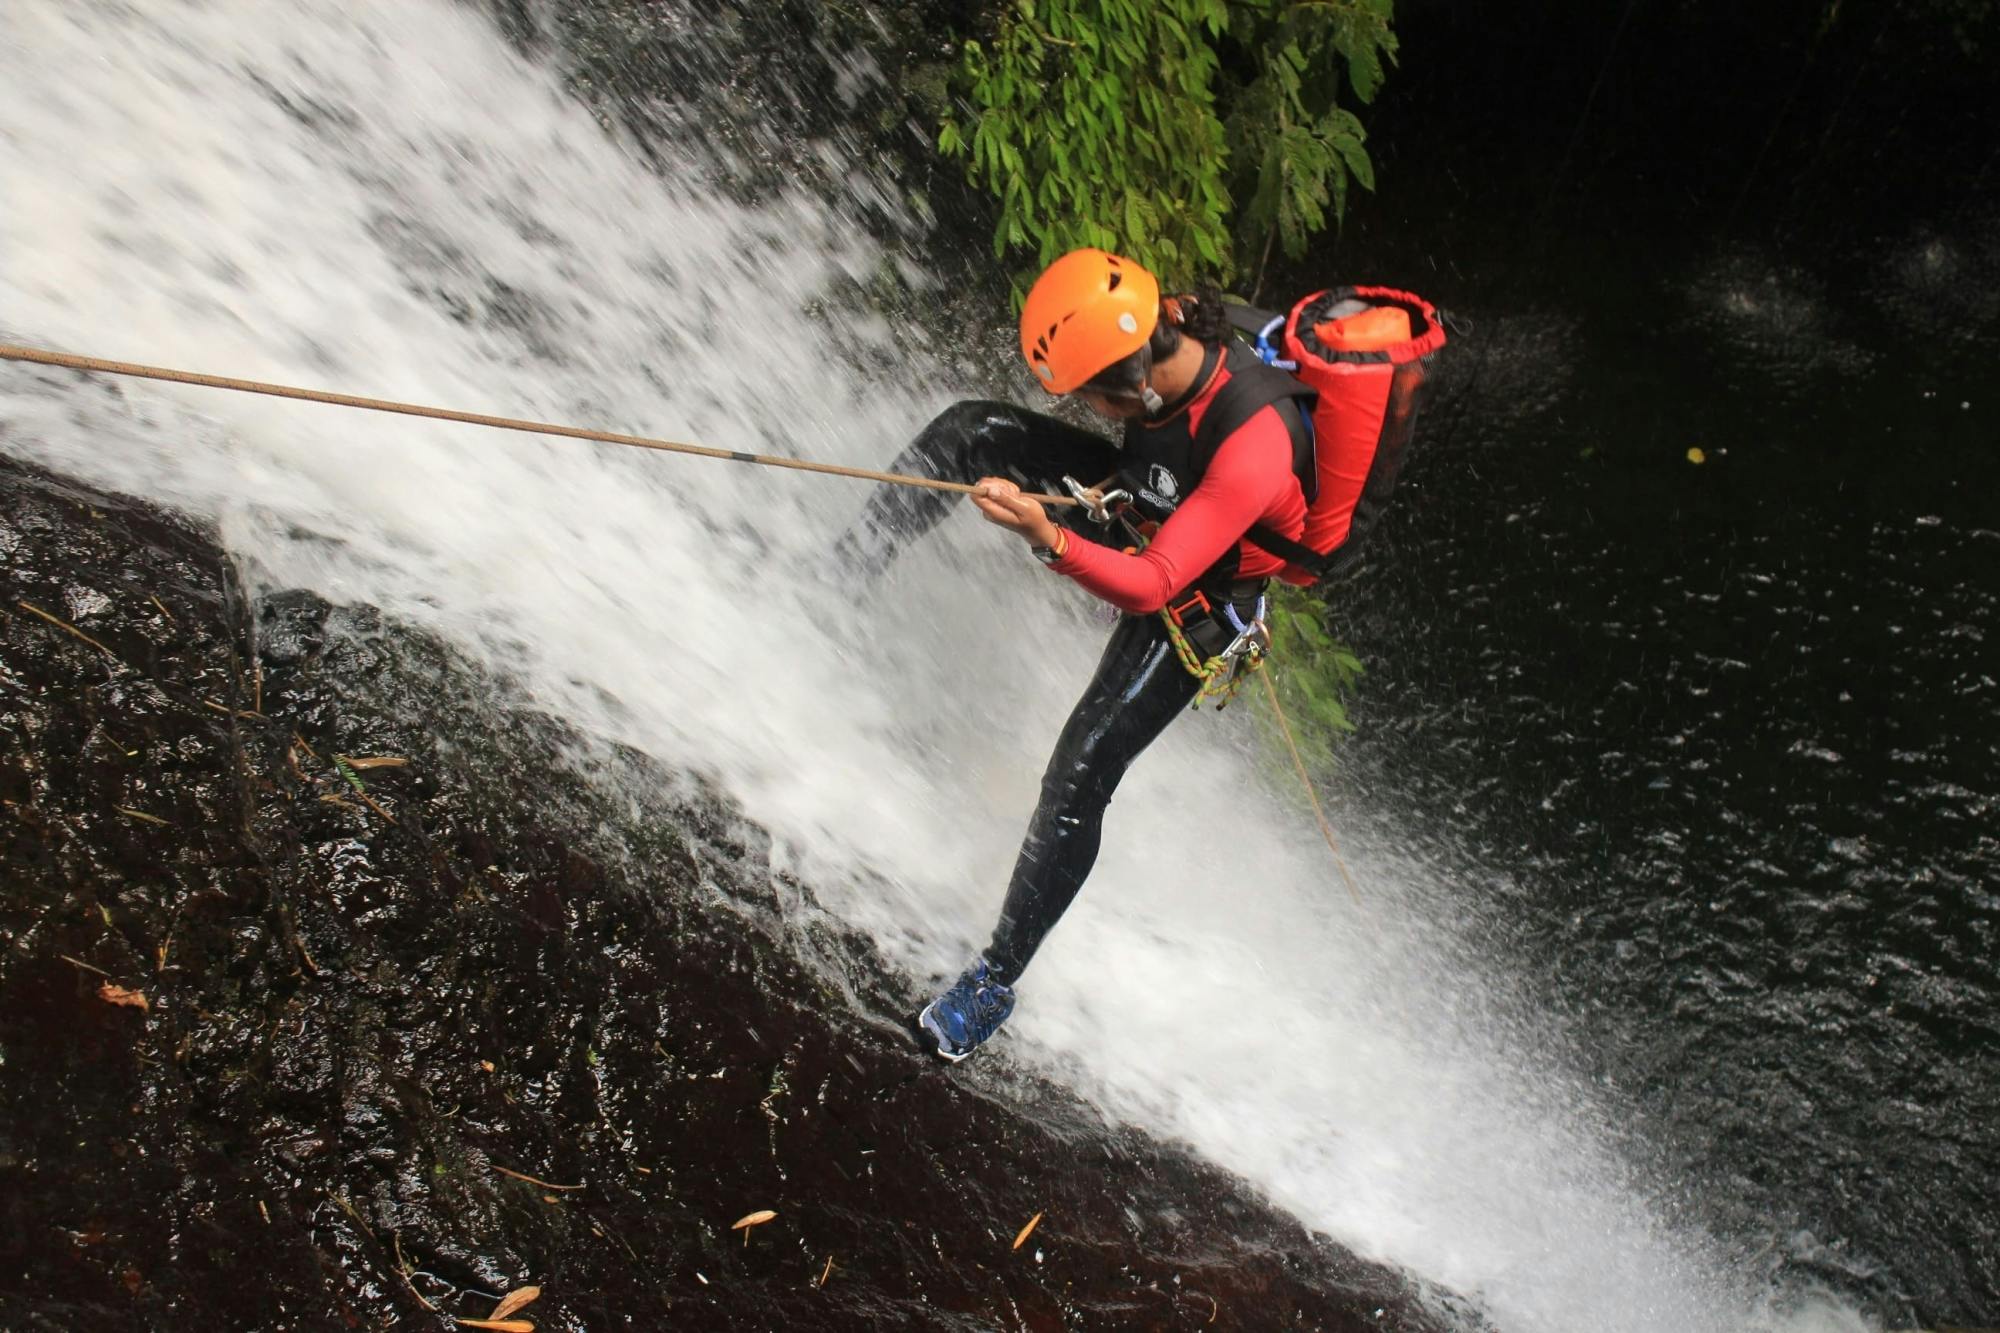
[[1222, 674]]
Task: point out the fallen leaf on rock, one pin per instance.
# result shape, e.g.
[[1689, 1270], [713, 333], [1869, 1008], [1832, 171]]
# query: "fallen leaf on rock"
[[131, 999], [532, 1180], [514, 1300], [1027, 1231], [756, 1219], [499, 1325]]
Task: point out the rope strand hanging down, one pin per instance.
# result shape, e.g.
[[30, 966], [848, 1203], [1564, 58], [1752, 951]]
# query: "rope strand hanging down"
[[1305, 779], [88, 363]]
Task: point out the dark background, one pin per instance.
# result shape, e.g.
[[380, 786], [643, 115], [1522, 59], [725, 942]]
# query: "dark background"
[[1708, 748], [1664, 121]]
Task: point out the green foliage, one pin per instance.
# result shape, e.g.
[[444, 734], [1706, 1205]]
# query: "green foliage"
[[1095, 124], [1314, 673], [1136, 125], [1294, 149]]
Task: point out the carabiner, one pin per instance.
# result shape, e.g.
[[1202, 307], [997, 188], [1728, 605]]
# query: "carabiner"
[[1098, 507], [1254, 643]]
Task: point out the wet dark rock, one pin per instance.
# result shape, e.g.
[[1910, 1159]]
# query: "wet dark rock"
[[381, 997]]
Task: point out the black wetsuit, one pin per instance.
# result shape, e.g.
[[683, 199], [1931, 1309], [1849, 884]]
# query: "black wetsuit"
[[1139, 684]]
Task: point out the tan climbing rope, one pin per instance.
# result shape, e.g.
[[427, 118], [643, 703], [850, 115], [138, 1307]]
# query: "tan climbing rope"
[[88, 363]]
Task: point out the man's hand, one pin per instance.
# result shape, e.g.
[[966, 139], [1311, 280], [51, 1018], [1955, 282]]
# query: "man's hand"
[[1002, 503]]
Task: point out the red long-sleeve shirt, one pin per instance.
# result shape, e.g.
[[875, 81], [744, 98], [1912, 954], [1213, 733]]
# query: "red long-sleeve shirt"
[[1249, 481]]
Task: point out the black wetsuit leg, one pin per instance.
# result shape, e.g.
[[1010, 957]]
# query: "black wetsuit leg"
[[965, 442], [1139, 687]]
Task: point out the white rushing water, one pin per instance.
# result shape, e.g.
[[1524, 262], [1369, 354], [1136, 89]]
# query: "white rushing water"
[[379, 196]]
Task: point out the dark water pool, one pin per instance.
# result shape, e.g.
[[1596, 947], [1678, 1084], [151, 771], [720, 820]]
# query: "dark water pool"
[[1683, 639]]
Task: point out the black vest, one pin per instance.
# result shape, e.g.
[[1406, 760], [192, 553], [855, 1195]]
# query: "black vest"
[[1163, 462]]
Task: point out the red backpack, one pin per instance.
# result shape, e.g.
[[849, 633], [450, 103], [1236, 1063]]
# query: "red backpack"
[[1365, 351]]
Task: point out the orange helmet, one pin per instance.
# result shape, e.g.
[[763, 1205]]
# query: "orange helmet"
[[1089, 310]]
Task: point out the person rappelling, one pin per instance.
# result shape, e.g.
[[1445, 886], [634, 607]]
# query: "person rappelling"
[[1240, 461]]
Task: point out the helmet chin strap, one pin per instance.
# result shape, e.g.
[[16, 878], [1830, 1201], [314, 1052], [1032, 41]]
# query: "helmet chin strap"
[[1147, 394]]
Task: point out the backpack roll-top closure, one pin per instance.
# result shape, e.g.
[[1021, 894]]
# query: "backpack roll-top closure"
[[1316, 339]]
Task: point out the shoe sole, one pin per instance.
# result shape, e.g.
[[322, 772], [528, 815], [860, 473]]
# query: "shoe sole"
[[934, 1037]]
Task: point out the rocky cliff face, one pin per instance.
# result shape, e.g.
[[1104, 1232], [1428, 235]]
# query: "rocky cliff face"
[[334, 993]]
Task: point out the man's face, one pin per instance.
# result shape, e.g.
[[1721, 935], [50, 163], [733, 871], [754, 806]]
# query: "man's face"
[[1116, 407]]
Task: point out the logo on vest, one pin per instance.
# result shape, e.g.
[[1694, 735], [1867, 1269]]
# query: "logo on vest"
[[1163, 483]]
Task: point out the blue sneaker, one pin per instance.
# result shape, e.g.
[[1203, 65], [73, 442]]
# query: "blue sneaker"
[[970, 1011]]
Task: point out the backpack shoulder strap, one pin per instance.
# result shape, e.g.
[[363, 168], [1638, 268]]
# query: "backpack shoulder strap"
[[1292, 552], [1252, 387], [1296, 399]]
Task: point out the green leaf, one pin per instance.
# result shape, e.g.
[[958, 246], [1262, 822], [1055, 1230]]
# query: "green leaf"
[[1356, 158], [1205, 246]]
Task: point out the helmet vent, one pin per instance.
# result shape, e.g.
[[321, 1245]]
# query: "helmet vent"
[[1116, 278]]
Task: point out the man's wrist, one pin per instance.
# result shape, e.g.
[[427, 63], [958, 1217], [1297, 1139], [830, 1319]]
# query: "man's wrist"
[[1052, 550], [1049, 535]]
